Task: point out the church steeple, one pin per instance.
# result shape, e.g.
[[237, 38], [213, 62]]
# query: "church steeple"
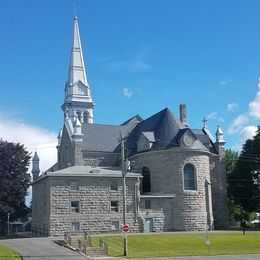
[[78, 102], [77, 67], [35, 166]]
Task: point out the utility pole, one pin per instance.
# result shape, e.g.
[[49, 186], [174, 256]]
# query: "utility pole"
[[124, 189], [8, 223]]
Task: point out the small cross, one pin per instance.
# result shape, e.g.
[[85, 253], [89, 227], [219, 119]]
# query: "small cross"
[[205, 122]]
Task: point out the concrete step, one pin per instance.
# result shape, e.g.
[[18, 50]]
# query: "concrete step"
[[95, 252]]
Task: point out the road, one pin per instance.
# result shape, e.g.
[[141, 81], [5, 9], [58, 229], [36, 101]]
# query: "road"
[[41, 249]]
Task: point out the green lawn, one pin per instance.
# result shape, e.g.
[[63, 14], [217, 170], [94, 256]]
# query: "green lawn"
[[180, 244], [7, 253]]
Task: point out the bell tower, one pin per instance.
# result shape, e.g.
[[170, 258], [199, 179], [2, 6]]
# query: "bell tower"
[[78, 102]]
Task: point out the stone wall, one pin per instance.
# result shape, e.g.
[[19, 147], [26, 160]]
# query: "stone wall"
[[219, 191], [101, 159], [95, 198], [189, 210], [40, 205], [161, 212], [65, 156]]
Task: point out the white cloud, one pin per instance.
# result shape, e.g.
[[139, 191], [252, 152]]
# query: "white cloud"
[[212, 115], [246, 133], [238, 124], [127, 92], [232, 107], [221, 120], [254, 107], [253, 114], [33, 137]]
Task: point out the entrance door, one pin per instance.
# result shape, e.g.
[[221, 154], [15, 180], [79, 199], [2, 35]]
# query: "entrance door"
[[148, 225]]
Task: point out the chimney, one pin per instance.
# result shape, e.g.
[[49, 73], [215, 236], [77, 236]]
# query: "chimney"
[[183, 117]]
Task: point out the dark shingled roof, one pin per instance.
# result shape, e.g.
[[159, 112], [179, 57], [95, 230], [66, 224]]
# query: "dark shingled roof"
[[205, 139], [104, 138], [167, 130], [164, 125], [134, 119]]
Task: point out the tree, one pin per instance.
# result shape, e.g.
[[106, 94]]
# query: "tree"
[[234, 210], [244, 186], [231, 158], [14, 181]]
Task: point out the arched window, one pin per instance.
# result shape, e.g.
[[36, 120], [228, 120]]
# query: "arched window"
[[146, 182], [189, 177], [85, 117]]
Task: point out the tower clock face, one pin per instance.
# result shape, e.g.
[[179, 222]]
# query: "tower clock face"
[[188, 140], [80, 88]]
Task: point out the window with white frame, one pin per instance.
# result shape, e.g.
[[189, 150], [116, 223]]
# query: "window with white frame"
[[74, 206], [189, 177], [74, 185], [113, 185], [75, 227], [114, 206], [115, 225]]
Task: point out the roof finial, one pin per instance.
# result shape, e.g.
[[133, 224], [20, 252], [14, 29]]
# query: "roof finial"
[[74, 10], [205, 122]]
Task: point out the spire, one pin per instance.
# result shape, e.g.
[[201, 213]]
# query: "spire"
[[35, 166], [220, 136], [220, 142], [78, 100], [77, 67]]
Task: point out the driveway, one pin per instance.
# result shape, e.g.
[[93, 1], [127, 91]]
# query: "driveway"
[[41, 249]]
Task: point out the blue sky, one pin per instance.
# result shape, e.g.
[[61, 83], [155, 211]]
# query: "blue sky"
[[141, 56]]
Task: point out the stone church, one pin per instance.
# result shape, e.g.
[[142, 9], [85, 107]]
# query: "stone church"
[[175, 177]]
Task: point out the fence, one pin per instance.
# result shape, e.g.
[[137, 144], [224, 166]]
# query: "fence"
[[84, 245], [103, 245]]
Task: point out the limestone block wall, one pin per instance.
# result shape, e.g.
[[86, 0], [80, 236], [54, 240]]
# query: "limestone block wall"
[[40, 205], [100, 159], [77, 153], [219, 191], [65, 154], [161, 212], [95, 198], [189, 209]]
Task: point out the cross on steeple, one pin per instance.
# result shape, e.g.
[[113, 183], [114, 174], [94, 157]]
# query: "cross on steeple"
[[205, 122]]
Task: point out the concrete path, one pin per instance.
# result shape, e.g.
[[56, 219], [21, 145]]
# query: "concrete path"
[[41, 249]]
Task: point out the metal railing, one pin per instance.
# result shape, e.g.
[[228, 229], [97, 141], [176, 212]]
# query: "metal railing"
[[103, 245]]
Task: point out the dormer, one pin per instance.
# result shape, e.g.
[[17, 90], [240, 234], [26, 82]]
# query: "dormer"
[[145, 141]]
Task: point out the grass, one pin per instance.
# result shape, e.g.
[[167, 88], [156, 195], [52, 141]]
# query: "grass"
[[7, 253], [183, 244]]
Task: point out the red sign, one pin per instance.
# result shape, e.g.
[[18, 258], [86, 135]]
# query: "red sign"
[[125, 228]]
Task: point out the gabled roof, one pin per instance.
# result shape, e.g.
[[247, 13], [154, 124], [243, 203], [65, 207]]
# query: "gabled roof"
[[206, 139], [134, 119], [105, 138], [197, 145], [149, 136]]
